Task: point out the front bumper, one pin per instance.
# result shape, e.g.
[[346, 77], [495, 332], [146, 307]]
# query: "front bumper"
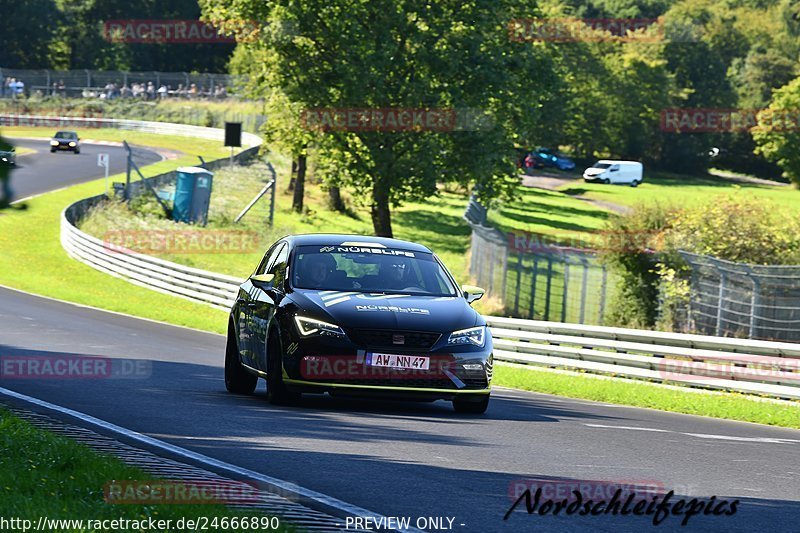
[[340, 366]]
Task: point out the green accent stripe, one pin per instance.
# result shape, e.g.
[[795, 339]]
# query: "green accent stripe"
[[378, 387]]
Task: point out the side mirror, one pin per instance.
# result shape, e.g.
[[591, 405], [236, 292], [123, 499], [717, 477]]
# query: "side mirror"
[[472, 293], [262, 280]]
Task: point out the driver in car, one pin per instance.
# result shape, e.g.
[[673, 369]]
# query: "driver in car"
[[394, 273]]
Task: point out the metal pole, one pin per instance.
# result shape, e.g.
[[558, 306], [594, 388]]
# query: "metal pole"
[[274, 188], [720, 296], [519, 283], [584, 287], [755, 301], [549, 286], [532, 310], [127, 194], [603, 288], [564, 293]]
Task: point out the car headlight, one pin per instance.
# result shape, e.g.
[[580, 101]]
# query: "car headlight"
[[310, 326], [72, 143], [53, 143], [475, 336]]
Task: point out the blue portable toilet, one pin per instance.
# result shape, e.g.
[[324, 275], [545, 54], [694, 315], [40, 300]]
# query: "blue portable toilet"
[[192, 195]]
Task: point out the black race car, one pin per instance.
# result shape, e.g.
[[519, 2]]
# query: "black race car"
[[358, 316], [65, 140]]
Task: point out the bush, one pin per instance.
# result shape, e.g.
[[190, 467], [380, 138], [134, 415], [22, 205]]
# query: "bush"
[[653, 288]]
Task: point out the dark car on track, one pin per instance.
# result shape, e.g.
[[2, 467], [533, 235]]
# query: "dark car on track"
[[358, 316], [67, 141]]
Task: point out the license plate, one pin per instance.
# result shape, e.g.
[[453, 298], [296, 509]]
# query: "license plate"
[[410, 362]]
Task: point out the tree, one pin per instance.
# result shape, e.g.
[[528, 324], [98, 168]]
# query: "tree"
[[778, 135], [403, 55]]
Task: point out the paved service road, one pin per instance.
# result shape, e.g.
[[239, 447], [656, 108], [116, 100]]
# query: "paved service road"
[[42, 171], [405, 459]]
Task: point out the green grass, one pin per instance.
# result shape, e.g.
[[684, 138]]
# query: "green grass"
[[729, 406], [42, 474], [31, 237], [682, 190]]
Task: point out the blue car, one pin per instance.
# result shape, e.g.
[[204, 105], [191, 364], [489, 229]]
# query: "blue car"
[[545, 157]]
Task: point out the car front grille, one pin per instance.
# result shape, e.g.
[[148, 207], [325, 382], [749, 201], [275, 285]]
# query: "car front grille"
[[390, 338]]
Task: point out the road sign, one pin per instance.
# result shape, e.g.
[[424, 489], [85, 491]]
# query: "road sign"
[[102, 161]]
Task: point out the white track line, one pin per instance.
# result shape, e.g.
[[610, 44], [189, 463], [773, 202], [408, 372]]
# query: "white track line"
[[282, 488]]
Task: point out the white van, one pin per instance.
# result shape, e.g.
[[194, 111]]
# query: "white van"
[[615, 172]]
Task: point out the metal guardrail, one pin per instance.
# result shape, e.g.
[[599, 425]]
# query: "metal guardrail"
[[217, 290], [744, 365]]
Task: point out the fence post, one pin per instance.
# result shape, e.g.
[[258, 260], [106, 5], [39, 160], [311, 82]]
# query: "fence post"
[[519, 283], [720, 298], [564, 294], [603, 288], [533, 286], [548, 288], [505, 274], [584, 283], [755, 302]]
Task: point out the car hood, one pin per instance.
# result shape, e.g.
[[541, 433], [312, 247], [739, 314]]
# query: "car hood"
[[594, 171], [387, 311]]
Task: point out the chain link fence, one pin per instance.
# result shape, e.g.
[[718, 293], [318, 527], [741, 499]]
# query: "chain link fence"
[[740, 300], [115, 84], [566, 285]]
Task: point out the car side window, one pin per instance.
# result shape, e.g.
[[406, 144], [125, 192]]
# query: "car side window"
[[278, 267], [614, 168], [269, 258]]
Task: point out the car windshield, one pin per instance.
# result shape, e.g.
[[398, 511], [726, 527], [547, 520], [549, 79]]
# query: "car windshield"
[[65, 135], [601, 165], [366, 269]]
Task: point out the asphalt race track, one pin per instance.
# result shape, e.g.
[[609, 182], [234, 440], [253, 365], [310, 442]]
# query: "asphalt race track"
[[406, 459], [43, 171]]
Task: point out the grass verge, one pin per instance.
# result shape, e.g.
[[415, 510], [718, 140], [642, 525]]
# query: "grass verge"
[[730, 406], [46, 475]]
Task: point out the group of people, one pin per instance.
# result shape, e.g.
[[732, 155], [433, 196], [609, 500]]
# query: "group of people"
[[15, 88], [148, 91], [12, 88]]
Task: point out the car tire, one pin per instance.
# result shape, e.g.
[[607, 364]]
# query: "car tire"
[[277, 392], [606, 181], [635, 183], [476, 405], [77, 152], [52, 151], [237, 379]]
